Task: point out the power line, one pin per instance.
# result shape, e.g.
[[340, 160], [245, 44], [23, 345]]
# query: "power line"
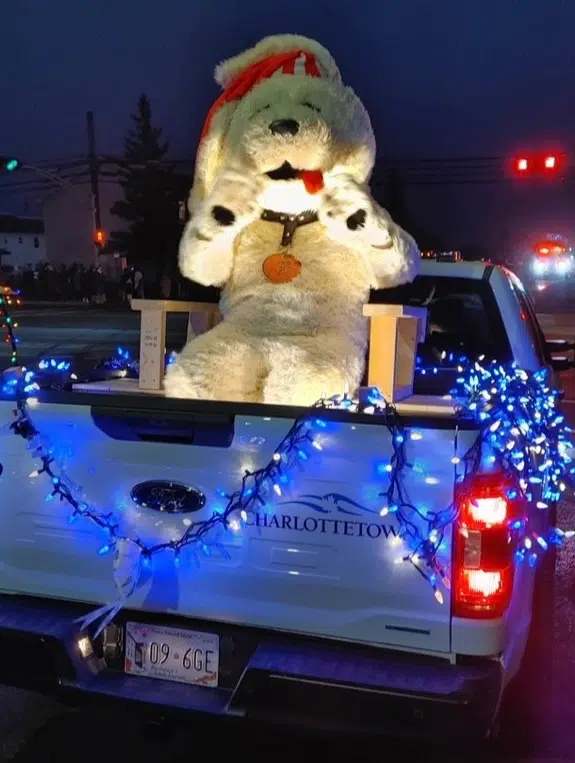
[[436, 171], [59, 160]]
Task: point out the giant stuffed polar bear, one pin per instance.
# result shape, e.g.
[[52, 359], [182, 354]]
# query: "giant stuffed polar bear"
[[282, 218]]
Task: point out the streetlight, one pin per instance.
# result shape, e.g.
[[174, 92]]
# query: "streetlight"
[[11, 164]]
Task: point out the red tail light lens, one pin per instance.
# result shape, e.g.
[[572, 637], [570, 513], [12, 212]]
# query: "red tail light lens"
[[482, 594], [485, 512], [483, 562], [484, 583]]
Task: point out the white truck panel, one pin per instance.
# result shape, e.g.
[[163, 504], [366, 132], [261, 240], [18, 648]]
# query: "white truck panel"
[[321, 562]]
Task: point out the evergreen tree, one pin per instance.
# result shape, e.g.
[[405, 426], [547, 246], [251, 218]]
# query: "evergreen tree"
[[152, 191]]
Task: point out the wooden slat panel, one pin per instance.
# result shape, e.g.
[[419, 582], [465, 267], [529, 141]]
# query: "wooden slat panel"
[[394, 333], [152, 349], [174, 306], [202, 317]]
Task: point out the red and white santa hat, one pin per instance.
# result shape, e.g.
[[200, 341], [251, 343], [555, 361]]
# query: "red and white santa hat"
[[279, 55]]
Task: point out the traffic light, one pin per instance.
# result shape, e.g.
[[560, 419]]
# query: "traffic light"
[[551, 165], [550, 162], [9, 163], [100, 237]]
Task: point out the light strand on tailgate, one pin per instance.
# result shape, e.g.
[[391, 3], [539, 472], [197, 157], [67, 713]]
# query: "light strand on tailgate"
[[420, 532]]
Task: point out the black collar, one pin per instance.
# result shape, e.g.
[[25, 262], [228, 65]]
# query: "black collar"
[[290, 222]]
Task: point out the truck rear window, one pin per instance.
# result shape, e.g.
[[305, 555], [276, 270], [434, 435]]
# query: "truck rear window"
[[463, 319]]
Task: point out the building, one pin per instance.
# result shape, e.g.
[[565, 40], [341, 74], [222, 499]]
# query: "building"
[[69, 222], [22, 242]]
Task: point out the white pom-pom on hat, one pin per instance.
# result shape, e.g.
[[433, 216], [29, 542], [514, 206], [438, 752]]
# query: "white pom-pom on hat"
[[228, 70]]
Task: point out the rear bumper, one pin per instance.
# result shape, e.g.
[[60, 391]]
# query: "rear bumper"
[[264, 676]]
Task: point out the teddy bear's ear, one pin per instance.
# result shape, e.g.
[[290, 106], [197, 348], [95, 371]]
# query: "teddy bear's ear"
[[273, 46], [209, 155], [356, 157]]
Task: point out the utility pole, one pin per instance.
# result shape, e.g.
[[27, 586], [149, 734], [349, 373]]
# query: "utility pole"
[[94, 167]]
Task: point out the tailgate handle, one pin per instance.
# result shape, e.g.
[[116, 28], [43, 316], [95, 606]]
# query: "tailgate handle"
[[205, 430]]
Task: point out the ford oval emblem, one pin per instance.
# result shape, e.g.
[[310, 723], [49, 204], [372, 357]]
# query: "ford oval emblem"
[[167, 496]]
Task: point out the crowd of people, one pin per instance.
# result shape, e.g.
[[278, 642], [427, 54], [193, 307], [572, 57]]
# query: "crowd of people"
[[95, 285]]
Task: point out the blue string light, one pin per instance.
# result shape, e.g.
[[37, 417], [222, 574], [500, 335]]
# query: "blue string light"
[[56, 373], [420, 530], [517, 412], [123, 362], [8, 298]]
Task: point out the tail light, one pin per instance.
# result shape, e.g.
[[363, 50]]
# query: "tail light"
[[484, 548]]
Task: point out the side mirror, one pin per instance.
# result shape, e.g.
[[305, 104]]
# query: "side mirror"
[[559, 345], [562, 363]]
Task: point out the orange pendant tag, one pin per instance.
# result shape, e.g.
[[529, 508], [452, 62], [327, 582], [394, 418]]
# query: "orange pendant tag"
[[281, 268]]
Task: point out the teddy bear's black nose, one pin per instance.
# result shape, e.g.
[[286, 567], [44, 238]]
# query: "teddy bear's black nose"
[[284, 127]]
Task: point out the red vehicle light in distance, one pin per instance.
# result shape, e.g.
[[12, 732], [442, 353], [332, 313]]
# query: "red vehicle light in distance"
[[545, 248]]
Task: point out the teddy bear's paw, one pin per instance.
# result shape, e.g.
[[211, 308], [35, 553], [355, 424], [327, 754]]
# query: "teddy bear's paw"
[[232, 204], [344, 202], [348, 211]]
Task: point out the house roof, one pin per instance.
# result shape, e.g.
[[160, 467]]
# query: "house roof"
[[14, 224]]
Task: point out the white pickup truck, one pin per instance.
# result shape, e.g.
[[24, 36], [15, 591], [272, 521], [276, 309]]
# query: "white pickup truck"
[[304, 618]]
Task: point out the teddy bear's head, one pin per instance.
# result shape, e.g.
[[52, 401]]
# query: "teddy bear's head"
[[286, 116]]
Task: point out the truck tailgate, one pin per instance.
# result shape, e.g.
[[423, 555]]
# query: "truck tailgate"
[[319, 561]]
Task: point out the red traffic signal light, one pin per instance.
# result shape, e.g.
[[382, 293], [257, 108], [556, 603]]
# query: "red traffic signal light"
[[99, 237], [553, 164], [550, 162], [539, 164]]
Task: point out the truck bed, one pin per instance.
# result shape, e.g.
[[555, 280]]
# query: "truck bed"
[[317, 561]]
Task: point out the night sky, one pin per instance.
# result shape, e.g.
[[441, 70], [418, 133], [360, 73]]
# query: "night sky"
[[440, 78]]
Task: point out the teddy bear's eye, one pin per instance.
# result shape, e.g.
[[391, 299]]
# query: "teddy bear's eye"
[[311, 106], [263, 108]]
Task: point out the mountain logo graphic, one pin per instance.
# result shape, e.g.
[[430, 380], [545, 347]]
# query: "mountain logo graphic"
[[331, 503]]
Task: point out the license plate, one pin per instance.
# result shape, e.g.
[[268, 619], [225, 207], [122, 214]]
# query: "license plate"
[[174, 654]]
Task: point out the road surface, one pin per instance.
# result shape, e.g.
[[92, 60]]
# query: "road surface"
[[35, 730], [84, 334]]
